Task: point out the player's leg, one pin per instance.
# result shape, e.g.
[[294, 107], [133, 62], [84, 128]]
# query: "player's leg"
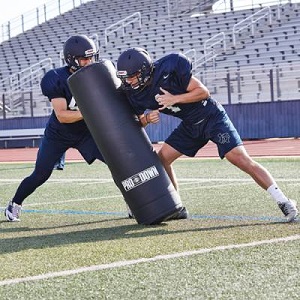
[[184, 140], [230, 146], [240, 158], [48, 153], [60, 164], [168, 155]]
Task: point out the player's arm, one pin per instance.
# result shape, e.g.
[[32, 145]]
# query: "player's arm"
[[62, 113], [196, 91], [149, 117]]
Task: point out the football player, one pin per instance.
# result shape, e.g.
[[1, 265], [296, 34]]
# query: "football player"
[[65, 128], [168, 86]]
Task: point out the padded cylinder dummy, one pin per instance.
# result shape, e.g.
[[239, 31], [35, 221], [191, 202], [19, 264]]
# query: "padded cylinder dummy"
[[124, 144]]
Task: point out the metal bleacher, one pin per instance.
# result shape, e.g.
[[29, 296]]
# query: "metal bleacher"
[[272, 46]]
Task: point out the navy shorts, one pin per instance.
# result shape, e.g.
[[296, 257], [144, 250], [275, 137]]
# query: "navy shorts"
[[188, 139], [54, 144]]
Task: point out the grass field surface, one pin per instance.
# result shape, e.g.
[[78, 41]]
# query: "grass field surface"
[[75, 241]]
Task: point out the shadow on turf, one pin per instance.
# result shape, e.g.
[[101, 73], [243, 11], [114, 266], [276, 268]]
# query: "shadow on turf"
[[18, 229], [16, 244]]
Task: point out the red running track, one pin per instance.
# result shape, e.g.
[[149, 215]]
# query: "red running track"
[[256, 148]]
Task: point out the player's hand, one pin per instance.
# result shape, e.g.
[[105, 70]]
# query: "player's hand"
[[165, 100], [152, 116]]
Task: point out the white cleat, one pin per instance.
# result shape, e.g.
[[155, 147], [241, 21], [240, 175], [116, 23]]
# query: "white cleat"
[[289, 209], [12, 212]]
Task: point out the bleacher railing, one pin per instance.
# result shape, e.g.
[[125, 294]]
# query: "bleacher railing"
[[122, 24], [36, 17], [176, 8], [13, 88], [217, 45], [21, 79], [234, 82], [192, 55], [250, 22], [263, 84]]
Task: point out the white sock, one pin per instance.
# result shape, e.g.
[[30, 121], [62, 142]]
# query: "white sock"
[[277, 194]]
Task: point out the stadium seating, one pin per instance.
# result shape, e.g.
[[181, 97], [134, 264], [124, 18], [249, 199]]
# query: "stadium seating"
[[271, 45]]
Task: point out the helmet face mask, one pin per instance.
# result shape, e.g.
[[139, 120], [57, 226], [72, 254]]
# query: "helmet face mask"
[[79, 47], [134, 68]]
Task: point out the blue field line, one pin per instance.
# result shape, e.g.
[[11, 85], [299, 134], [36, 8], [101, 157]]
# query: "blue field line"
[[195, 217], [241, 218]]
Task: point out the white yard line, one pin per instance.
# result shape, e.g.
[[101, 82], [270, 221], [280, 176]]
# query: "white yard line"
[[125, 263], [64, 180], [180, 179]]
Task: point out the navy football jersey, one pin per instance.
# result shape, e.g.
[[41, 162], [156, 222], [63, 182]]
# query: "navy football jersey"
[[54, 85], [172, 73]]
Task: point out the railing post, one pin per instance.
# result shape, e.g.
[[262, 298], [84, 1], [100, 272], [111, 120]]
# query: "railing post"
[[228, 88], [31, 103], [37, 16], [22, 23], [168, 8], [8, 29], [59, 10], [4, 105], [272, 85], [45, 12], [140, 20], [233, 36]]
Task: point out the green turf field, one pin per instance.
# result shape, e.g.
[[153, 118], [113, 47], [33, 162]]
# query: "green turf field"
[[76, 242]]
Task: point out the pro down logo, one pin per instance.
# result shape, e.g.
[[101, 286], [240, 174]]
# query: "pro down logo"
[[140, 178]]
